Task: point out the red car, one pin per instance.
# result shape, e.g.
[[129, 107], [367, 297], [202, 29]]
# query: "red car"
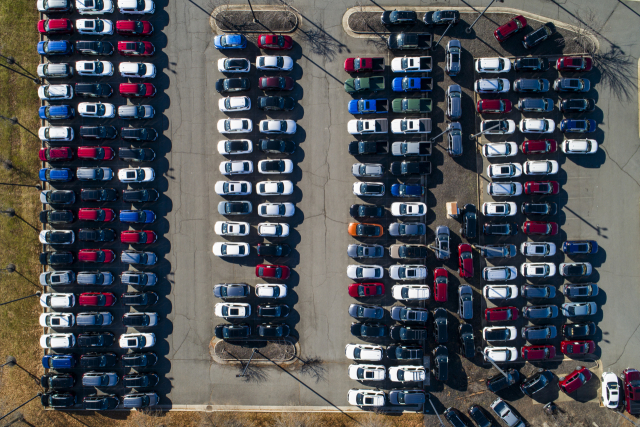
[[631, 381], [541, 187], [539, 146], [505, 31], [134, 28], [275, 83], [499, 106], [440, 284], [96, 153], [136, 48], [137, 90], [540, 227], [96, 255], [500, 314], [275, 42], [465, 260], [574, 63], [55, 26], [96, 214], [577, 347], [55, 154], [97, 299], [358, 290], [538, 352], [144, 236], [272, 271], [574, 380]]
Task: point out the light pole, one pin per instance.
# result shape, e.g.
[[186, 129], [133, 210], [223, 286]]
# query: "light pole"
[[37, 294], [37, 186], [448, 129], [468, 30], [434, 409], [252, 12], [444, 32], [496, 126]]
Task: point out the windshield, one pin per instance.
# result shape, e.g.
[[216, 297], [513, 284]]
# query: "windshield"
[[142, 69], [356, 63]]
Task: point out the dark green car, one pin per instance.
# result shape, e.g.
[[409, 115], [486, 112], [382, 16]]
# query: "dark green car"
[[412, 105]]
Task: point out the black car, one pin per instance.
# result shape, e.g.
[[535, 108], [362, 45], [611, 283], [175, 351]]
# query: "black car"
[[531, 64], [478, 416], [273, 310], [59, 197], [237, 146], [139, 196], [131, 320], [139, 134], [368, 330], [408, 333], [273, 249], [441, 359], [398, 17], [410, 168], [441, 17], [276, 146], [405, 352], [440, 325], [235, 84], [56, 258], [578, 330], [94, 90], [96, 235], [147, 379], [58, 400], [139, 298], [231, 290], [366, 211], [546, 208], [235, 208], [505, 229], [57, 381], [95, 339], [469, 222], [412, 251], [453, 416], [577, 105], [536, 37], [232, 331], [273, 331], [536, 383], [84, 47], [276, 103], [139, 360], [103, 402], [467, 346], [98, 195], [499, 382], [136, 154], [56, 217], [272, 166], [98, 132], [98, 360]]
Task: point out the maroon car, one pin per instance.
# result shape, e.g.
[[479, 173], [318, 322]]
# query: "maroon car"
[[137, 90], [574, 63], [274, 42], [500, 314], [540, 227], [541, 187], [55, 26], [268, 271], [577, 348], [358, 290], [275, 83], [493, 106], [134, 28], [539, 146], [55, 154], [136, 48], [574, 380], [538, 352], [505, 31]]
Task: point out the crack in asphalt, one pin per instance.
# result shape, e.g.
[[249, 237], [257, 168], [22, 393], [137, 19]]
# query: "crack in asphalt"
[[625, 346], [618, 165]]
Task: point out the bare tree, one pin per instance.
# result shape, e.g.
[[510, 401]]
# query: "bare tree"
[[313, 367], [358, 19]]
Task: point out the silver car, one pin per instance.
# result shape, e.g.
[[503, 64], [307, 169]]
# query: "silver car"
[[454, 102], [442, 242], [575, 309], [453, 55], [365, 251], [367, 170], [465, 302], [542, 332]]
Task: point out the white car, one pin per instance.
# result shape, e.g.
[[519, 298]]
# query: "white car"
[[231, 228], [500, 292], [236, 167], [96, 109], [138, 340], [407, 272], [504, 170], [500, 149], [411, 292], [231, 249], [274, 188], [56, 133], [579, 146], [94, 7], [276, 209], [366, 397], [278, 126], [494, 274], [94, 68], [405, 126], [136, 7], [273, 229], [363, 352], [235, 146], [408, 209], [140, 70], [275, 166], [493, 65], [370, 189], [367, 372], [367, 170], [538, 248], [234, 103], [498, 127], [234, 65], [274, 63], [500, 333], [94, 27], [408, 373], [610, 390], [57, 300], [358, 272], [505, 189], [491, 86], [136, 175], [67, 237], [55, 92], [499, 209], [501, 354], [57, 341], [268, 290], [538, 269], [59, 277], [537, 126], [235, 125], [232, 310], [233, 188], [57, 320], [540, 167]]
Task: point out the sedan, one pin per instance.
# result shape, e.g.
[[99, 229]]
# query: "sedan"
[[274, 188], [230, 228], [578, 330], [231, 290], [365, 251], [575, 309], [275, 42], [278, 126], [230, 41], [577, 348], [575, 380], [610, 390], [537, 126], [540, 228], [231, 85], [276, 209], [578, 126], [571, 85], [538, 269], [574, 63], [96, 110], [235, 208], [268, 271], [360, 290], [233, 188], [267, 290], [408, 209], [232, 104], [275, 83], [465, 260], [272, 229], [579, 146], [366, 211], [542, 146], [359, 272], [231, 249], [493, 65], [541, 187], [96, 255], [274, 63], [94, 68], [235, 126], [275, 166], [236, 167], [575, 269], [234, 65]]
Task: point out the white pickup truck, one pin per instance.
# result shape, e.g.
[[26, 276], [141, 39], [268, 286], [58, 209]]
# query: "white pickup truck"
[[413, 64], [367, 126]]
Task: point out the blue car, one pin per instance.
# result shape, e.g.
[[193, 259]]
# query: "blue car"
[[55, 47], [407, 190], [230, 41], [412, 84], [578, 126], [579, 247], [140, 217], [55, 175], [58, 361], [56, 112]]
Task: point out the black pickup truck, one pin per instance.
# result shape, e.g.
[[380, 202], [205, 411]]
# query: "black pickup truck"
[[359, 148], [409, 41], [410, 168]]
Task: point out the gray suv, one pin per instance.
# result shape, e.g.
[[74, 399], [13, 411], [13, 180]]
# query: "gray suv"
[[537, 291], [94, 174], [94, 318], [138, 257], [454, 137], [100, 278], [453, 56], [454, 102], [540, 312], [465, 302], [542, 332], [100, 379], [140, 400], [535, 105], [531, 85]]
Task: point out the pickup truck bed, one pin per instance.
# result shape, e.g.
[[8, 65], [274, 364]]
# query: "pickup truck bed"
[[414, 148], [410, 168], [359, 148]]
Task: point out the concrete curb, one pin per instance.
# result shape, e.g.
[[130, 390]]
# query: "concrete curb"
[[215, 341], [214, 24]]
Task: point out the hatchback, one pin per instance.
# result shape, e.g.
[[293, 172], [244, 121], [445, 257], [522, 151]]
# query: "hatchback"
[[137, 90], [140, 48], [56, 112], [577, 348], [500, 314], [536, 383], [275, 42], [571, 85], [541, 146], [575, 380], [134, 28], [578, 126], [494, 106], [536, 37], [541, 187], [574, 63], [60, 47], [505, 31], [96, 214]]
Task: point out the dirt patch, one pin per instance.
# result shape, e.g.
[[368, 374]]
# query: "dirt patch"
[[267, 351], [266, 21]]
